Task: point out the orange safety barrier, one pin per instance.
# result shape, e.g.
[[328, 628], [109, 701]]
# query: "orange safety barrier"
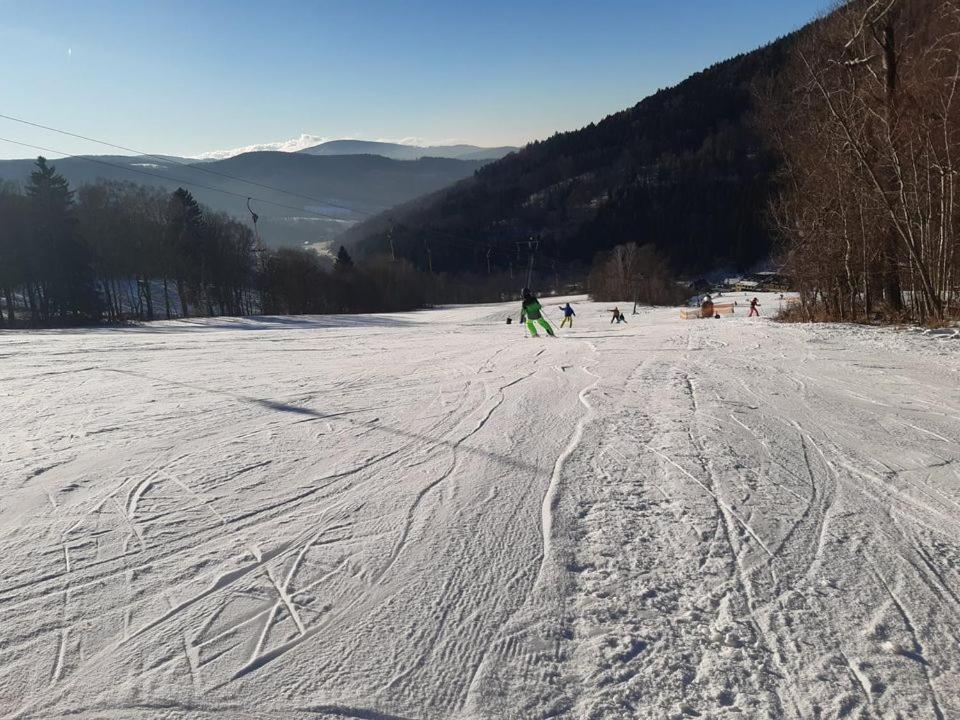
[[721, 309]]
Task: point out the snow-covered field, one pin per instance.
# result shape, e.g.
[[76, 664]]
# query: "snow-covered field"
[[428, 516]]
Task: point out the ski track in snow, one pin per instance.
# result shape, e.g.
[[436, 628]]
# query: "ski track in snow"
[[426, 515]]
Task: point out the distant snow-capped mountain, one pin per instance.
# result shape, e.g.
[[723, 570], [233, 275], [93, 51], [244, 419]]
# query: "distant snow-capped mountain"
[[396, 151]]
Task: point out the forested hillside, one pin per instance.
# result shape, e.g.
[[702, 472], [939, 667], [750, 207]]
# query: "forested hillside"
[[684, 170]]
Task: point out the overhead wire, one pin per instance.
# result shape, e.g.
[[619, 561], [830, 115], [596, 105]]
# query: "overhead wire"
[[450, 239], [176, 161], [502, 247]]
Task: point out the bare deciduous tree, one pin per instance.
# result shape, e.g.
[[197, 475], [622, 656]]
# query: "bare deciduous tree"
[[633, 272], [868, 129]]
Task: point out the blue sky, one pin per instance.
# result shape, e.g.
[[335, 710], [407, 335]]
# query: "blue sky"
[[186, 78]]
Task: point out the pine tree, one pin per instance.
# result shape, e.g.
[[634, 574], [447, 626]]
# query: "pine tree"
[[185, 239], [344, 262], [62, 283], [13, 246]]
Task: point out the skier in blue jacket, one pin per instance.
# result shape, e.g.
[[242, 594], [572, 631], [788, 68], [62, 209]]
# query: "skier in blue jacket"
[[568, 315]]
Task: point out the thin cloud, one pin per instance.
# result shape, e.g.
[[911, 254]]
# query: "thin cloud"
[[421, 142], [292, 145]]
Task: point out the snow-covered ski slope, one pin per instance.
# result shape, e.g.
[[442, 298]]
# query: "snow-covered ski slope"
[[429, 516]]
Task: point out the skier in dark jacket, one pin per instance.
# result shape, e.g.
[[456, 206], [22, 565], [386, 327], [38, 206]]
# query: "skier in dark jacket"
[[568, 315], [532, 311], [754, 304]]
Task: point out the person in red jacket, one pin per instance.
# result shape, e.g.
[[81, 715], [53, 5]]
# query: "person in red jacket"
[[754, 304]]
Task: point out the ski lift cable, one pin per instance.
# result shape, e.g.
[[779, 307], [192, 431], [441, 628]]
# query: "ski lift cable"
[[180, 181], [175, 161], [466, 244], [482, 248]]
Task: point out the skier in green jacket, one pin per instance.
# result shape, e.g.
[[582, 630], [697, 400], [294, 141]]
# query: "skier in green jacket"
[[530, 312]]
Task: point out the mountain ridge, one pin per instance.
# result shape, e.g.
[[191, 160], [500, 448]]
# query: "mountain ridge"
[[399, 151]]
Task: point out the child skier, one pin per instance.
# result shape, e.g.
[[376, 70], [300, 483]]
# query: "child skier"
[[617, 316], [754, 304], [530, 311], [568, 315]]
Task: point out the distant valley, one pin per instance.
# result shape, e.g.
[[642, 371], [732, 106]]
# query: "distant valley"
[[308, 197]]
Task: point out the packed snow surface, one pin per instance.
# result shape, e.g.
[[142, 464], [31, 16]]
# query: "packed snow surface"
[[428, 515]]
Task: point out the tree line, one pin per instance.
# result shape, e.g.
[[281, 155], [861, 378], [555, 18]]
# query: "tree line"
[[869, 132], [115, 252], [637, 273]]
